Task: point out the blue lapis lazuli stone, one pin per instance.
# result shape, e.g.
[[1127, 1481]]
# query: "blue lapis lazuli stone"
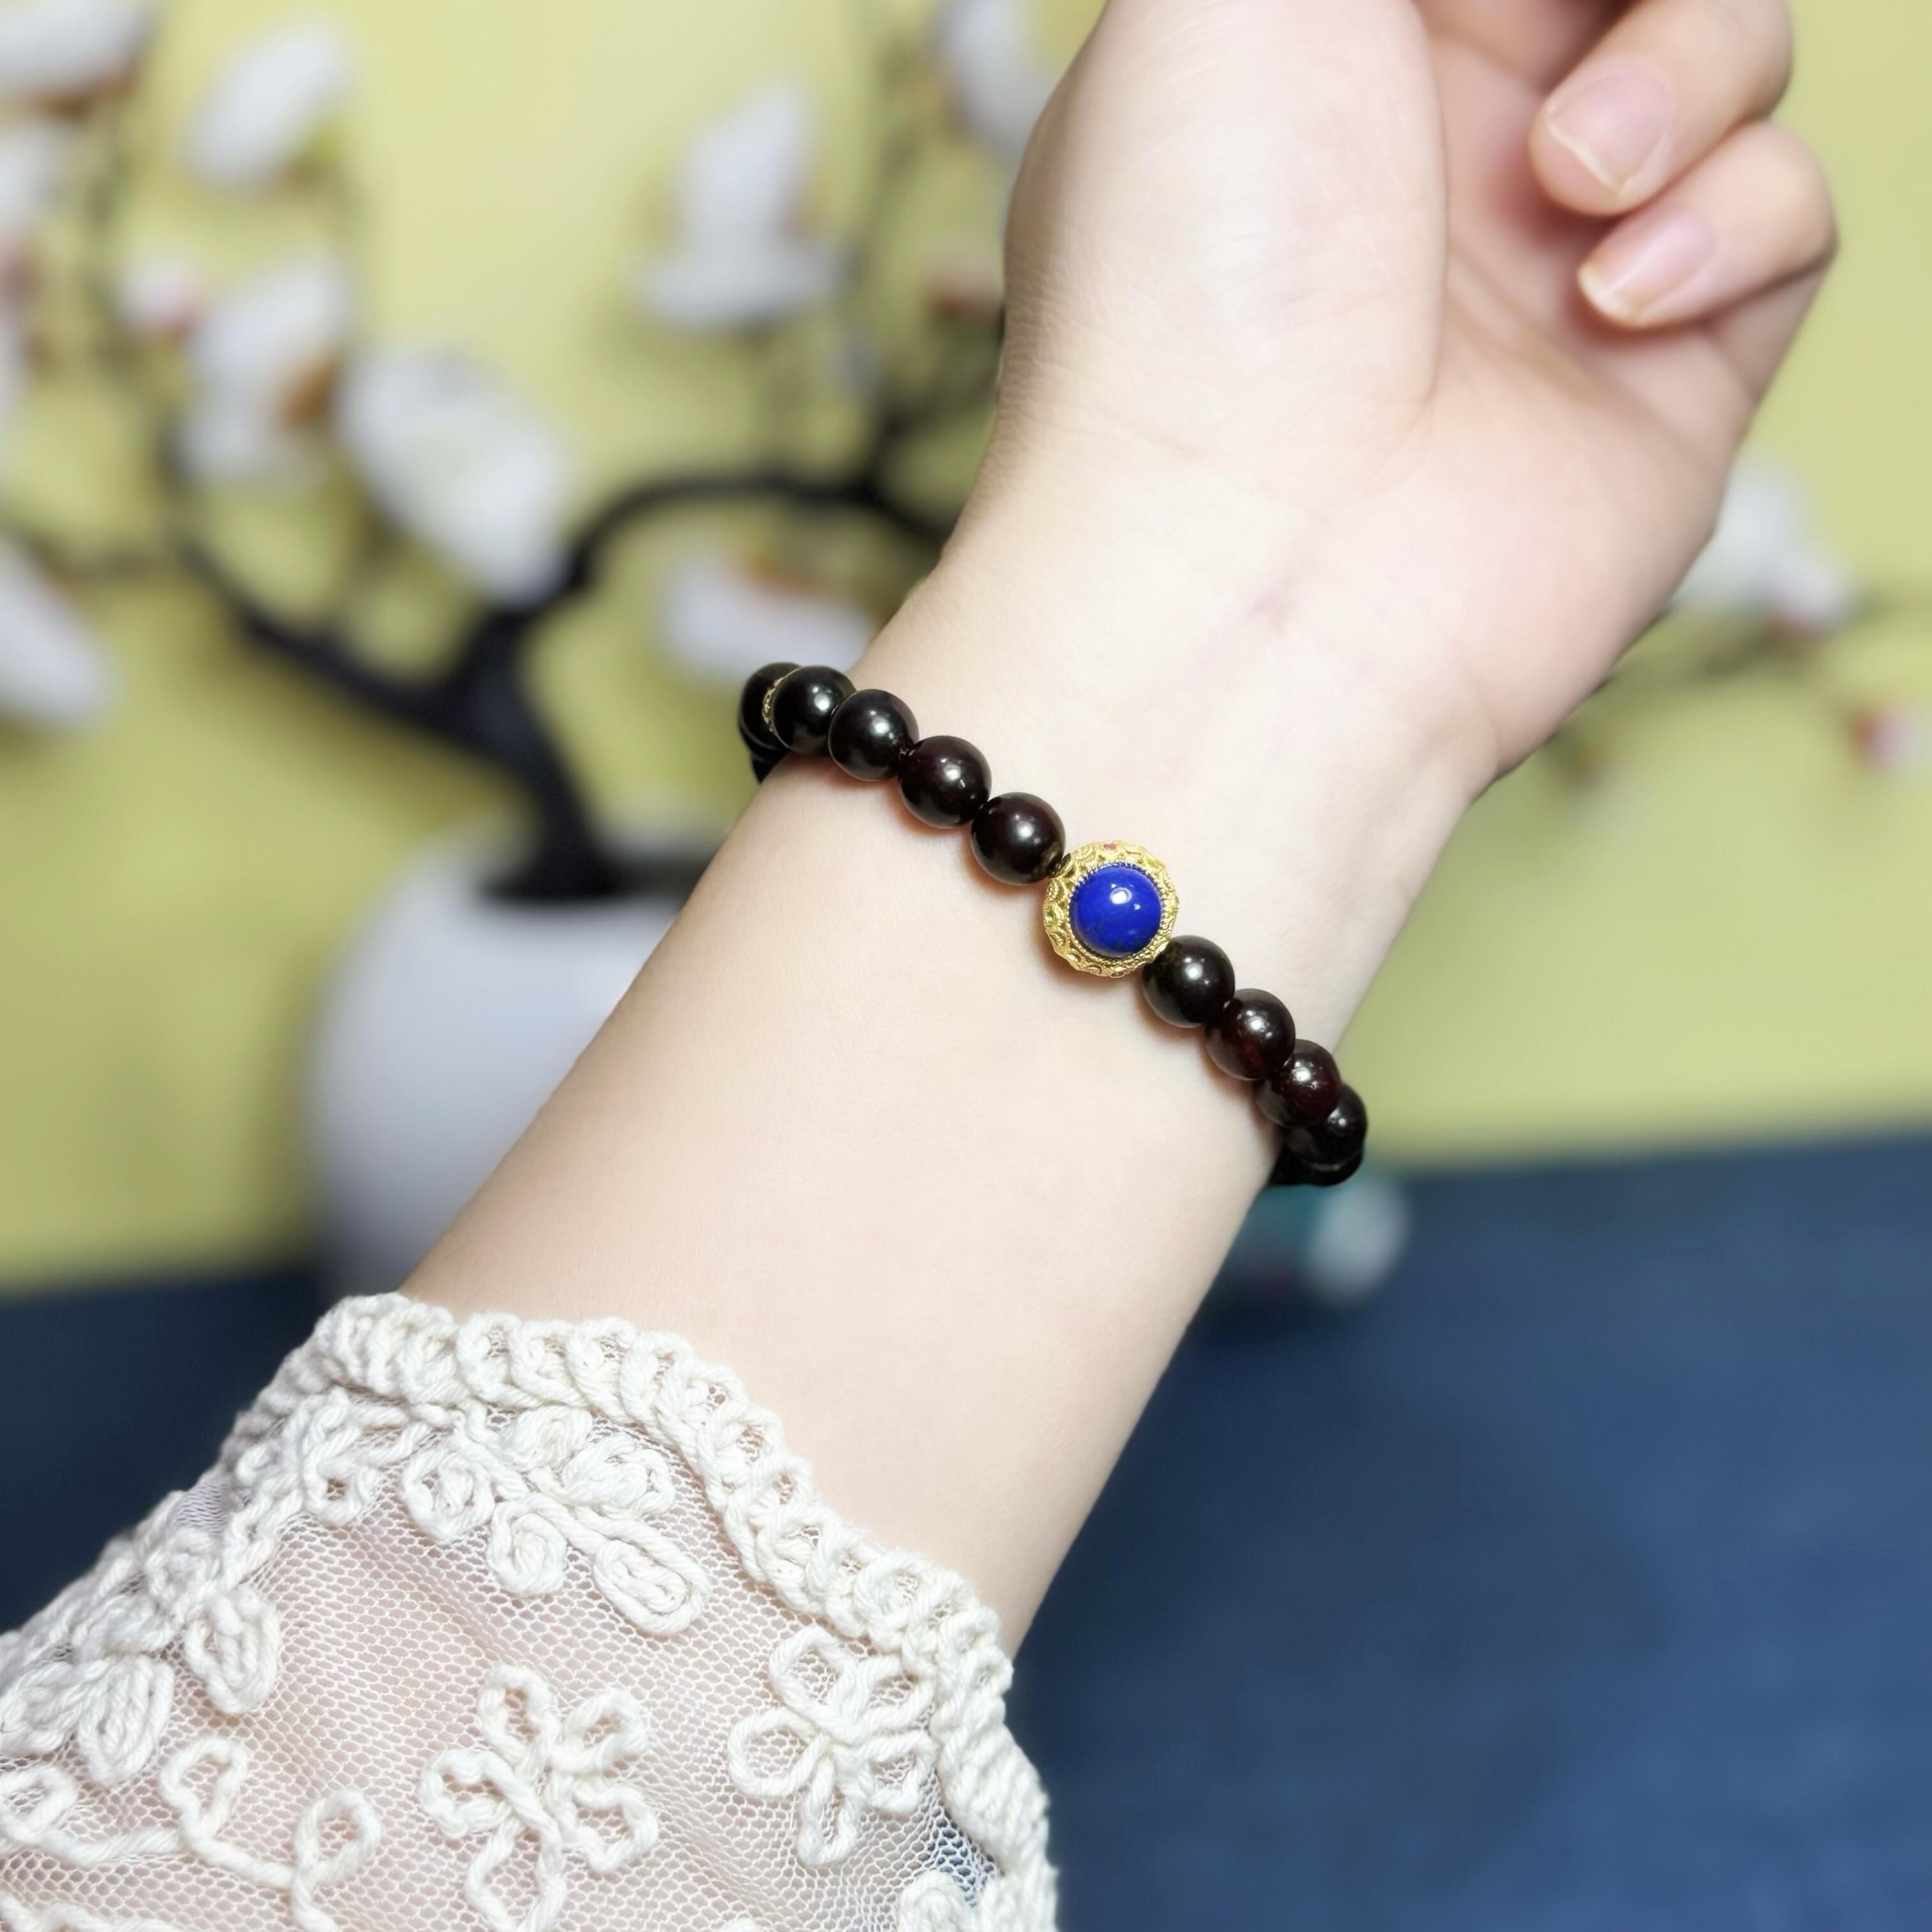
[[1116, 910]]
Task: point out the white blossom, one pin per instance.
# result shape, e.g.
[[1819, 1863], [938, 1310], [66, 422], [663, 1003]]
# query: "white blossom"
[[53, 672], [33, 163], [540, 1768], [741, 258], [57, 51], [462, 465], [721, 620], [999, 82], [265, 107], [1765, 558], [262, 360], [159, 297], [848, 1737]]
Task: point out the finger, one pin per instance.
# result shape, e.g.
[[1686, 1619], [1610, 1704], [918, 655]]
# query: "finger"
[[1757, 214], [1658, 93]]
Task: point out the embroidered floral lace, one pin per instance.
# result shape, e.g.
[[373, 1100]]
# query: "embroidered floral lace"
[[534, 1626]]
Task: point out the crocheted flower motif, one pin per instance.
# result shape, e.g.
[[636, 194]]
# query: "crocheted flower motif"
[[537, 1775], [112, 1709], [849, 1734], [546, 1483]]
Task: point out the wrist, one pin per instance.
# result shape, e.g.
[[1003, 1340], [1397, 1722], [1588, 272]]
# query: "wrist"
[[1214, 709]]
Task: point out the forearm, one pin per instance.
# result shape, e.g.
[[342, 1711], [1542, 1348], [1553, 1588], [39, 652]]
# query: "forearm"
[[945, 1205], [1319, 493]]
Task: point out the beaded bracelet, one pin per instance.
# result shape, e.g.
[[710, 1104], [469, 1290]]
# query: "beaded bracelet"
[[1110, 908]]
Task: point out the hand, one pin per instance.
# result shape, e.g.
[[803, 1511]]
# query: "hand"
[[1317, 494], [1319, 491], [1451, 313]]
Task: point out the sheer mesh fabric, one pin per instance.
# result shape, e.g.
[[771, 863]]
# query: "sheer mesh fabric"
[[530, 1627]]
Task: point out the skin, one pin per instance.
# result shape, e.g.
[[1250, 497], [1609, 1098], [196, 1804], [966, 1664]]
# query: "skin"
[[1350, 427]]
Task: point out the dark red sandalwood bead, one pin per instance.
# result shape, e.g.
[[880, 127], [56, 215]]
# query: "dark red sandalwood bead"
[[1253, 1036], [1018, 838], [1332, 1177], [944, 781], [871, 733], [802, 706], [1338, 1138], [1290, 1172], [1304, 1092], [1189, 982]]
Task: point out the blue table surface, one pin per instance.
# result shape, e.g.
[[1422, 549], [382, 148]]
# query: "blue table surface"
[[1583, 1581]]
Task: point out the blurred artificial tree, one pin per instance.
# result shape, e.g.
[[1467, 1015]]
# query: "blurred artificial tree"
[[274, 387]]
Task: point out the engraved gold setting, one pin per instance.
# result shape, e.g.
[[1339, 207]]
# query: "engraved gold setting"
[[1057, 912]]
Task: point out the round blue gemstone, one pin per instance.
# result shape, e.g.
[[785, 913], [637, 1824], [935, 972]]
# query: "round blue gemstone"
[[1116, 910]]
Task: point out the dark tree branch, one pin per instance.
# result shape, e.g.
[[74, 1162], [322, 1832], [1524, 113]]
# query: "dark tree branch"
[[1723, 648], [479, 706], [1740, 647], [81, 564], [861, 492], [479, 703], [320, 653]]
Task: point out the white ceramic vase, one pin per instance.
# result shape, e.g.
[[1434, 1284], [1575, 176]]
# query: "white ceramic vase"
[[451, 1018]]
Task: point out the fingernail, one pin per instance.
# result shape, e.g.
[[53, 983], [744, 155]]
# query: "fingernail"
[[1613, 122], [1641, 267]]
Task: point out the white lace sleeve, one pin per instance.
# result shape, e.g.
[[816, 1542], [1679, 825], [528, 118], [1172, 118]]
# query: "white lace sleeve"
[[517, 1625]]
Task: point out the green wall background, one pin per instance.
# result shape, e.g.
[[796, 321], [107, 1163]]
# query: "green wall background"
[[1732, 938]]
